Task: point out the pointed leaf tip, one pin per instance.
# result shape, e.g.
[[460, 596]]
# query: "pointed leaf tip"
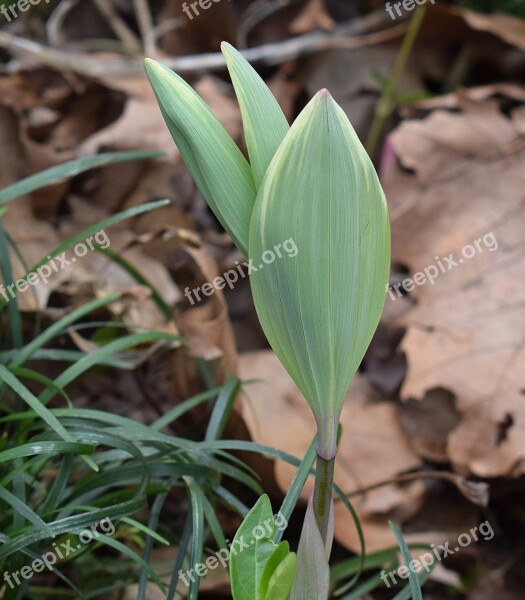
[[217, 165], [265, 124], [320, 308]]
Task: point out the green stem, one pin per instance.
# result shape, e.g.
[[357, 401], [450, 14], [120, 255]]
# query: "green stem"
[[324, 478], [386, 103]]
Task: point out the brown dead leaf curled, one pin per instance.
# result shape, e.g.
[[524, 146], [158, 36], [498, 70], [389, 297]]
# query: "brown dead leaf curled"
[[429, 422], [277, 415], [465, 332], [507, 27], [313, 16], [141, 125]]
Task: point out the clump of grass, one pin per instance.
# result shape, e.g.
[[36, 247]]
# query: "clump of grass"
[[64, 469]]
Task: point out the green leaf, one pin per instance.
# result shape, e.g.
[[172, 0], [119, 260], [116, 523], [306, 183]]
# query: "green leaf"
[[25, 511], [41, 410], [282, 579], [197, 516], [218, 167], [295, 489], [265, 125], [46, 447], [279, 554], [249, 555], [320, 307], [69, 169], [415, 587], [222, 409]]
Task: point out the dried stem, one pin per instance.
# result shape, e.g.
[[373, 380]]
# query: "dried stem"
[[347, 35], [118, 25], [145, 21]]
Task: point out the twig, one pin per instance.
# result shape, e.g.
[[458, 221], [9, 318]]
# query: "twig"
[[254, 14], [476, 492], [55, 21], [344, 36], [165, 26], [118, 25], [146, 27]]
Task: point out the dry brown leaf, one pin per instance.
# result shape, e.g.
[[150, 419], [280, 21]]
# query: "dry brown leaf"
[[350, 77], [313, 16], [507, 27], [454, 100], [104, 276], [428, 423], [373, 447], [465, 333], [206, 326], [34, 240], [91, 274], [285, 90], [223, 107], [206, 329], [141, 125]]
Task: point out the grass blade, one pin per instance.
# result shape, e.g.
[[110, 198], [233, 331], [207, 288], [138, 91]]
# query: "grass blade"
[[36, 405], [25, 511], [89, 360], [295, 489], [415, 587], [15, 319], [197, 544], [70, 169], [81, 236], [222, 409], [61, 325]]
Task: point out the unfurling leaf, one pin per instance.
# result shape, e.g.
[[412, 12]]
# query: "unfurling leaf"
[[218, 167], [263, 120], [320, 310], [282, 579], [255, 558], [278, 574]]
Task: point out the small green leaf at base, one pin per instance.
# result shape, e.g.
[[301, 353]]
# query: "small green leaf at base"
[[255, 558], [282, 579], [279, 554]]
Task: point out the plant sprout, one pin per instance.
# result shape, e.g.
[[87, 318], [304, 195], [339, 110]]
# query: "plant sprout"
[[313, 183]]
